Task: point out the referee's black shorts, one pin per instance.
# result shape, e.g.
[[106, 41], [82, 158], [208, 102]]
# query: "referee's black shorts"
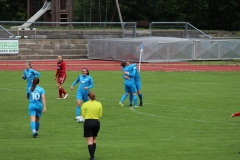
[[91, 127]]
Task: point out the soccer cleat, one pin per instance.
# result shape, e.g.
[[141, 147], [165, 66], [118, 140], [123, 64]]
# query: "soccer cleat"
[[130, 105], [35, 135], [59, 98], [120, 103], [136, 106], [65, 96], [140, 104]]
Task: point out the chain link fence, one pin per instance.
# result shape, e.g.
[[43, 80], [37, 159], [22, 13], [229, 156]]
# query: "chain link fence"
[[163, 49]]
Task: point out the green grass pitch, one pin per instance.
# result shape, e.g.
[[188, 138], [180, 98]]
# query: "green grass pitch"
[[185, 116]]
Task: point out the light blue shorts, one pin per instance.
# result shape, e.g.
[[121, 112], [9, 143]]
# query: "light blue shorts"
[[130, 88], [83, 96], [34, 110]]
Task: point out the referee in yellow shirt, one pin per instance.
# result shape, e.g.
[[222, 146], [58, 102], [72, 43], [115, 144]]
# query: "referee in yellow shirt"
[[91, 112]]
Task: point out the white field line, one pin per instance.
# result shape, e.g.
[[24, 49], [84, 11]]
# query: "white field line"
[[184, 119]]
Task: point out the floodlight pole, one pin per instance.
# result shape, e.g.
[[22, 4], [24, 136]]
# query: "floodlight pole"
[[119, 13]]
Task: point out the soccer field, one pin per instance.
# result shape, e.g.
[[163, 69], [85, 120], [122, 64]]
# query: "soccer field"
[[185, 116]]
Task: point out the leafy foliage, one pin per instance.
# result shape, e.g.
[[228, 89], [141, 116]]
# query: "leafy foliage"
[[13, 10], [204, 14]]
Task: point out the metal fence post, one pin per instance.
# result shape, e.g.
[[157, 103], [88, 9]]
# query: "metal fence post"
[[186, 30], [135, 28], [150, 29]]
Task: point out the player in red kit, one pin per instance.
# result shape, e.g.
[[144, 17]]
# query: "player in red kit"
[[61, 77]]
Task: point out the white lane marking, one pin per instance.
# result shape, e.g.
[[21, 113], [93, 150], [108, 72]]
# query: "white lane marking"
[[184, 119]]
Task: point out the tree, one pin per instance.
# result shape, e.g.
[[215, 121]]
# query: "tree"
[[7, 7]]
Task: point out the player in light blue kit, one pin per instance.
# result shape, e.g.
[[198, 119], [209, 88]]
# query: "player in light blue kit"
[[85, 83], [137, 81], [37, 105], [129, 84], [29, 74]]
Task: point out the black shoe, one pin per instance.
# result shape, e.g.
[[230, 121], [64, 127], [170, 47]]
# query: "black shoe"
[[35, 135], [140, 104], [130, 104], [92, 159]]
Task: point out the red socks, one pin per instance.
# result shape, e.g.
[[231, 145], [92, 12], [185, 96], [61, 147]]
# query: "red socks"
[[61, 91], [236, 114]]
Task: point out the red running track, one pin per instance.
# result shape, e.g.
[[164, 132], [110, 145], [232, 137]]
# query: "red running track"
[[76, 65]]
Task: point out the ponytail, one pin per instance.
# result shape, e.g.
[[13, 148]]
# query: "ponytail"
[[34, 83], [91, 95]]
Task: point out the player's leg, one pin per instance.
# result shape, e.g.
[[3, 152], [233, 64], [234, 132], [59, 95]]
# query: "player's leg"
[[59, 91], [79, 103], [37, 121], [64, 92], [130, 99], [140, 97], [32, 115], [124, 96], [134, 91], [61, 80], [235, 114], [37, 125], [33, 126], [138, 86], [78, 108]]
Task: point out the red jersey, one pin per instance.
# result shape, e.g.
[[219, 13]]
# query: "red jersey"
[[61, 69]]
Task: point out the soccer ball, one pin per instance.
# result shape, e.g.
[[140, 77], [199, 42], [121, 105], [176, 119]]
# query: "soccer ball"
[[80, 119]]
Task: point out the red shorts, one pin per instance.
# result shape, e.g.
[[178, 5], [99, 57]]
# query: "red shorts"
[[61, 79]]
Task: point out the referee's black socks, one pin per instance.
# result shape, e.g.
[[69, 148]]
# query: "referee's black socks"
[[94, 146], [91, 151]]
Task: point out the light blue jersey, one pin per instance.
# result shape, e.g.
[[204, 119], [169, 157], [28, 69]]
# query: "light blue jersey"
[[129, 78], [35, 101], [137, 78], [84, 81], [129, 83], [28, 75]]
